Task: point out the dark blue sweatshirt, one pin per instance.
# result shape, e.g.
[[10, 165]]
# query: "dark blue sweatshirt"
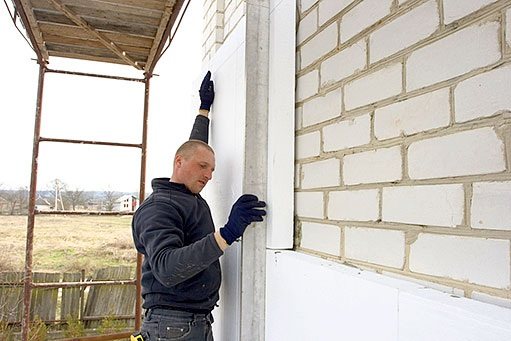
[[173, 229]]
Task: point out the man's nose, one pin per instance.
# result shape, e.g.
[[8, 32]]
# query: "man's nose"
[[209, 174]]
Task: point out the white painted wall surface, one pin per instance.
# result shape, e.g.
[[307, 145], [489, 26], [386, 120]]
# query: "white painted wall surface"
[[311, 299]]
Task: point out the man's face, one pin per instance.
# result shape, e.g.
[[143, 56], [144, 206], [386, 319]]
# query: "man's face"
[[195, 170]]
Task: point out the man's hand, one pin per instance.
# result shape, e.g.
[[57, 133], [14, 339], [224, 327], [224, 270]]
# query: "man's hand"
[[245, 211], [206, 92]]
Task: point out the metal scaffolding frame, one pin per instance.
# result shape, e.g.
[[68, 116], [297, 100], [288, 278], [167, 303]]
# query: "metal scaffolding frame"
[[28, 284]]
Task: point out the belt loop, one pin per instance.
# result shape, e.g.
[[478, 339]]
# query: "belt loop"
[[147, 313]]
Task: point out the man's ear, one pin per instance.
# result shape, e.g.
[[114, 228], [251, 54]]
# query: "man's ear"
[[178, 160]]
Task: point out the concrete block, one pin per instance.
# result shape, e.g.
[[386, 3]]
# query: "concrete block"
[[404, 31], [307, 85], [414, 115], [361, 205], [308, 145], [381, 165], [343, 64], [329, 8], [373, 87], [325, 173], [481, 261], [354, 131], [324, 42], [309, 204], [454, 55], [493, 300], [378, 246], [321, 237], [491, 205], [437, 205], [362, 16], [306, 4], [478, 151], [454, 9], [322, 108], [307, 26], [483, 95]]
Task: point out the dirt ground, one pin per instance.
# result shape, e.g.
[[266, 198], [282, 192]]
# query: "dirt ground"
[[67, 243]]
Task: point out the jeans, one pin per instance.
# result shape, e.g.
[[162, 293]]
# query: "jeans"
[[166, 324]]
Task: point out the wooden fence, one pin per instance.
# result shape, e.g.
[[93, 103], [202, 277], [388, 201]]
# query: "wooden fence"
[[89, 303]]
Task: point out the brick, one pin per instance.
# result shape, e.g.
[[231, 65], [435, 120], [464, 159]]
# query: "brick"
[[483, 95], [322, 108], [321, 237], [455, 9], [324, 42], [306, 4], [360, 205], [376, 86], [298, 118], [436, 205], [307, 85], [479, 296], [381, 165], [474, 260], [362, 16], [329, 8], [309, 204], [343, 64], [308, 145], [307, 26], [383, 247], [297, 176], [319, 174], [491, 205], [404, 31], [477, 151], [454, 55], [348, 133], [414, 115]]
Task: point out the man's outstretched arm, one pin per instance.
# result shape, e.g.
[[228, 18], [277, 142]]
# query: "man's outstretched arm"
[[200, 130]]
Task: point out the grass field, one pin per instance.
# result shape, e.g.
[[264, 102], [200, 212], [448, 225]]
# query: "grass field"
[[67, 243]]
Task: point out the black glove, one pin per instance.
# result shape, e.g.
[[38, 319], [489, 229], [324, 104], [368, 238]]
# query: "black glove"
[[206, 92], [245, 211]]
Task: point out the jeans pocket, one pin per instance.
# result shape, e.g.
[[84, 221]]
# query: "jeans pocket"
[[174, 330]]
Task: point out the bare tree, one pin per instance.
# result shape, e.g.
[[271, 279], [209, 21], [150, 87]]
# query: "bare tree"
[[110, 198], [75, 198], [17, 200]]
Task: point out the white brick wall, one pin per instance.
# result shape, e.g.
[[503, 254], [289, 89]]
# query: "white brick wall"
[[454, 55], [363, 16], [343, 64], [308, 145], [455, 9], [422, 113], [369, 89], [322, 108], [491, 205], [306, 4], [329, 8], [384, 247], [475, 260], [309, 204], [321, 174], [404, 31], [348, 133], [361, 205], [321, 237], [321, 44], [437, 205], [477, 151], [307, 26], [483, 95], [307, 85], [381, 165], [508, 28]]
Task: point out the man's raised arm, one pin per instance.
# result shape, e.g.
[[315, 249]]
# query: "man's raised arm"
[[200, 130]]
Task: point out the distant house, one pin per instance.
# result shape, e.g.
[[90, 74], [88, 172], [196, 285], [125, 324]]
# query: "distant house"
[[41, 204], [126, 203]]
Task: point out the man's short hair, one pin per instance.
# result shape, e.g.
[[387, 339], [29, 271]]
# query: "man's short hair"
[[190, 146]]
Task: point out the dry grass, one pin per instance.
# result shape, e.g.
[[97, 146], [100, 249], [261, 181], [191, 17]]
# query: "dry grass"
[[67, 243]]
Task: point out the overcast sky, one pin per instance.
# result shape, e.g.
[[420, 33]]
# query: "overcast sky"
[[88, 108]]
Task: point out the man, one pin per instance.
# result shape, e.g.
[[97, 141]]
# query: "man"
[[174, 230]]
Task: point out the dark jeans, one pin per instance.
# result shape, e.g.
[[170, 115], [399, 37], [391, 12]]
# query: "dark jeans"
[[165, 324]]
